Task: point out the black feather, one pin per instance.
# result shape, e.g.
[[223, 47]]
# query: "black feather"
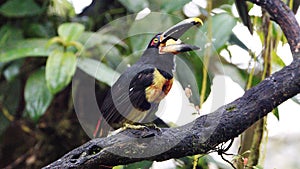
[[128, 95], [242, 9]]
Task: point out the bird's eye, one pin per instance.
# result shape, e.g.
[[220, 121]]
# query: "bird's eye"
[[155, 40]]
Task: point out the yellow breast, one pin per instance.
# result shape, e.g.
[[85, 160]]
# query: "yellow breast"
[[159, 88]]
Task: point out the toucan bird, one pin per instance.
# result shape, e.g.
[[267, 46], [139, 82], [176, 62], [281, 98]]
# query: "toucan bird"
[[135, 96]]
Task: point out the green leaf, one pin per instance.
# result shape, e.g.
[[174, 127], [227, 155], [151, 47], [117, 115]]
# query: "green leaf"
[[258, 167], [276, 113], [9, 33], [62, 8], [218, 3], [24, 48], [98, 70], [60, 68], [237, 75], [118, 167], [20, 8], [92, 39], [227, 8], [141, 31], [113, 56], [222, 25], [39, 30], [37, 95], [70, 31], [170, 6], [134, 5], [277, 62], [142, 164], [13, 70], [103, 45]]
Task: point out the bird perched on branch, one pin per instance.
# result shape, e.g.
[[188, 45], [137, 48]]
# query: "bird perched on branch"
[[135, 96]]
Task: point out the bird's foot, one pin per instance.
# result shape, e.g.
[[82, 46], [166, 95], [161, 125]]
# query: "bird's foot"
[[141, 126]]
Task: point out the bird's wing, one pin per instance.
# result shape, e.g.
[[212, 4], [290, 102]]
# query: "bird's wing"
[[126, 101]]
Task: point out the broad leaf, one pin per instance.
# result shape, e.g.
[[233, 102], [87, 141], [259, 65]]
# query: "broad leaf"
[[112, 56], [98, 70], [170, 6], [70, 31], [13, 70], [103, 46], [61, 8], [222, 25], [24, 48], [9, 33], [141, 164], [60, 68], [20, 8], [134, 5], [40, 30], [218, 3], [142, 31], [37, 95], [277, 61], [92, 39]]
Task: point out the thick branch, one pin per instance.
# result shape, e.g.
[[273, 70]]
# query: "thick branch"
[[281, 14], [194, 138], [207, 131]]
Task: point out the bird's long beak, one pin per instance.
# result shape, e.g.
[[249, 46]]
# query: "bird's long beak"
[[170, 42]]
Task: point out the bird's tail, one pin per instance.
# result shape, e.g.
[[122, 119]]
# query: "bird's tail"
[[160, 123]]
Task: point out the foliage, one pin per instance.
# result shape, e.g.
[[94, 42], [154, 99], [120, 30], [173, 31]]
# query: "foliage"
[[19, 8], [37, 95], [60, 68], [42, 43]]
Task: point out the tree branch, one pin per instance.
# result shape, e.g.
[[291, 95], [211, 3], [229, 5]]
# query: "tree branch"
[[281, 14], [207, 131]]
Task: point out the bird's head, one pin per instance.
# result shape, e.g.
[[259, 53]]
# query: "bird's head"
[[169, 42]]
